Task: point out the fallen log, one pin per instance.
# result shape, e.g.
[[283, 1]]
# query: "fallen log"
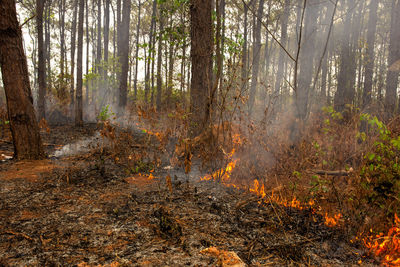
[[333, 173]]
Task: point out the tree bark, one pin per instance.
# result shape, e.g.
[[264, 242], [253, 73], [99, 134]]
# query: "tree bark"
[[14, 69], [201, 54], [88, 83], [244, 74], [153, 47], [369, 66], [137, 50], [78, 106], [61, 13], [47, 41], [282, 55], [106, 41], [392, 77], [159, 64], [124, 55], [73, 46], [41, 60], [171, 55], [347, 71], [256, 57], [306, 59]]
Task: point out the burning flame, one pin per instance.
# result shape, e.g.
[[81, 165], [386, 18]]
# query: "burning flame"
[[223, 175], [386, 247], [332, 221]]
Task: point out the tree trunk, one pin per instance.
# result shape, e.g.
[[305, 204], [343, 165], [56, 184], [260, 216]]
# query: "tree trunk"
[[78, 106], [41, 60], [282, 55], [47, 42], [306, 59], [153, 45], [73, 46], [99, 69], [171, 55], [137, 50], [256, 57], [159, 64], [347, 70], [14, 70], [88, 83], [244, 74], [62, 47], [201, 54], [369, 66], [106, 41], [124, 55], [392, 77]]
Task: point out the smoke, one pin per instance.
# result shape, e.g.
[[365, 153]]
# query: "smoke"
[[82, 146]]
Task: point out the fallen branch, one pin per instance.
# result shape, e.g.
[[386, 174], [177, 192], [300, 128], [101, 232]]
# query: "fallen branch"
[[18, 234], [333, 173]]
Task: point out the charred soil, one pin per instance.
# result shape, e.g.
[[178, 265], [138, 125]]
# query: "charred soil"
[[88, 208]]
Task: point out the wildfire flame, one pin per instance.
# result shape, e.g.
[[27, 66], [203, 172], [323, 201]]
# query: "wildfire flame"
[[222, 175], [386, 247], [332, 221]]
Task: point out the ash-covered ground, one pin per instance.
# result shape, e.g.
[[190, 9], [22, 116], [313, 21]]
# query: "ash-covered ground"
[[83, 207]]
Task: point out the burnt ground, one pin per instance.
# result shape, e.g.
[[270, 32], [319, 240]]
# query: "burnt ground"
[[86, 209]]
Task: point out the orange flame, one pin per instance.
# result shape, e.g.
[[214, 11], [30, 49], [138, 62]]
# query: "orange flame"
[[332, 221], [223, 174], [257, 189], [386, 247]]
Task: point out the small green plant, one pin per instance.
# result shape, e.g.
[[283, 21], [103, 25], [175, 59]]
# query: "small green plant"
[[105, 113], [318, 185], [380, 172], [141, 167]]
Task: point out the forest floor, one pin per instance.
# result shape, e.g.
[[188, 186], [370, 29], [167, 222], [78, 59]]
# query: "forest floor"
[[85, 208]]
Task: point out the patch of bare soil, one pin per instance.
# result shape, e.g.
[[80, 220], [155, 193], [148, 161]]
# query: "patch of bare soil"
[[77, 213]]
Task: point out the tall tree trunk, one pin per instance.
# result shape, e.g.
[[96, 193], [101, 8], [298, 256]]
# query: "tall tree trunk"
[[137, 49], [73, 46], [392, 77], [244, 74], [14, 70], [171, 55], [256, 56], [153, 47], [47, 42], [61, 12], [99, 69], [201, 54], [147, 67], [369, 66], [159, 64], [106, 41], [88, 83], [347, 70], [282, 55], [328, 23], [306, 59], [78, 106], [41, 60], [124, 55], [221, 77]]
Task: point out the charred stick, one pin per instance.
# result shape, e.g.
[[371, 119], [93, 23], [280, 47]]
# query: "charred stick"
[[332, 173]]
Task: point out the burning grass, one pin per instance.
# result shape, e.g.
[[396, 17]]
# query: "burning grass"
[[304, 175], [386, 246]]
